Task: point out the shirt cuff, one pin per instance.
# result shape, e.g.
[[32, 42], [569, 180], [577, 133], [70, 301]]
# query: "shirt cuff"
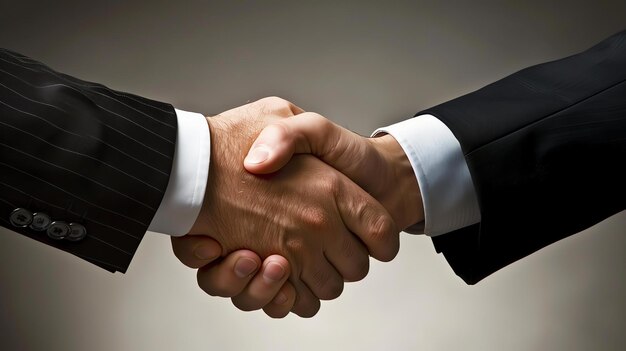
[[184, 195], [445, 183]]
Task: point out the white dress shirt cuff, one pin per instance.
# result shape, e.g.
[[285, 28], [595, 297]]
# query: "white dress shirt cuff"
[[445, 183], [184, 195]]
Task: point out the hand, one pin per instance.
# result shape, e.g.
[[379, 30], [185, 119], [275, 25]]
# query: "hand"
[[378, 165], [306, 212], [240, 275]]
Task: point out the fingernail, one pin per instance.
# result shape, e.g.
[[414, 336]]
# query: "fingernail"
[[205, 252], [245, 266], [273, 272], [280, 299], [259, 154]]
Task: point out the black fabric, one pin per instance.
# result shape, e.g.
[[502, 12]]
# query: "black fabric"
[[546, 149], [82, 153]]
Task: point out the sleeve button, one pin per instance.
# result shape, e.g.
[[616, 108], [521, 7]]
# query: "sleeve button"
[[77, 232], [58, 230], [21, 217], [41, 221]]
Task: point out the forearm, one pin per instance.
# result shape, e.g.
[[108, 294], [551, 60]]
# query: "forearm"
[[544, 147], [81, 152]]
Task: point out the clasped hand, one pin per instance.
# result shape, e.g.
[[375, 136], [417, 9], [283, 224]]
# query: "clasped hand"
[[314, 219]]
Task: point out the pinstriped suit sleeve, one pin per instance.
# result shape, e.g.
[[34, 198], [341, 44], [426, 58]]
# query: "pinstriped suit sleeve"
[[83, 153]]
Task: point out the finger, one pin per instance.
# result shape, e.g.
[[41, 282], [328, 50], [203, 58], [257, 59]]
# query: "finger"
[[349, 257], [307, 304], [284, 301], [369, 220], [230, 276], [196, 251], [309, 133], [323, 280], [265, 285]]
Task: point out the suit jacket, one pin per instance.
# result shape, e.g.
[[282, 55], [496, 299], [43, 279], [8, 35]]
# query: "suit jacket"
[[546, 149], [76, 156]]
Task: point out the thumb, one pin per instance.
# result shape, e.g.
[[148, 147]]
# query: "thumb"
[[307, 133], [272, 149]]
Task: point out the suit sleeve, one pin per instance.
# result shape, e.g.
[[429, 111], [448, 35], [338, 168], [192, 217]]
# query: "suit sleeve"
[[545, 149], [83, 168]]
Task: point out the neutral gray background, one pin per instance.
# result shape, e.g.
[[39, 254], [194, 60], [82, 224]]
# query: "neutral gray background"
[[363, 64]]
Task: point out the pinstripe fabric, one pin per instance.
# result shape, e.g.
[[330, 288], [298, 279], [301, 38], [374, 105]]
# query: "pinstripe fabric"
[[82, 152]]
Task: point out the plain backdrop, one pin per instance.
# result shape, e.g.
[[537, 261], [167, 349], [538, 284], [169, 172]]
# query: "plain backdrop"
[[363, 64]]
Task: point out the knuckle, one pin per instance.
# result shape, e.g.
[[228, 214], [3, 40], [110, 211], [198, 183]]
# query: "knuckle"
[[276, 105], [379, 226], [294, 245], [280, 130], [333, 290], [380, 232], [327, 286], [316, 219], [360, 268], [294, 248], [331, 182], [383, 227], [358, 258], [323, 124], [316, 118], [274, 100], [383, 230]]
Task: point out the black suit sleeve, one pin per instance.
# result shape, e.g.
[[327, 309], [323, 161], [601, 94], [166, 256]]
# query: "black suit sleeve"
[[80, 153], [546, 149]]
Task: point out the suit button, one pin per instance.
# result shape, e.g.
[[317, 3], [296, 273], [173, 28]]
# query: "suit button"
[[21, 217], [77, 232], [58, 230], [41, 221]]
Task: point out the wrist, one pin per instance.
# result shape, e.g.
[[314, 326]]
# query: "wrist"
[[403, 199]]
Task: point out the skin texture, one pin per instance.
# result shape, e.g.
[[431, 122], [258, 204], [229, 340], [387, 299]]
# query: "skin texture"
[[355, 156], [219, 278], [320, 221]]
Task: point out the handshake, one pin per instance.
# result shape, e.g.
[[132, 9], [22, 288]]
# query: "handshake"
[[294, 206]]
